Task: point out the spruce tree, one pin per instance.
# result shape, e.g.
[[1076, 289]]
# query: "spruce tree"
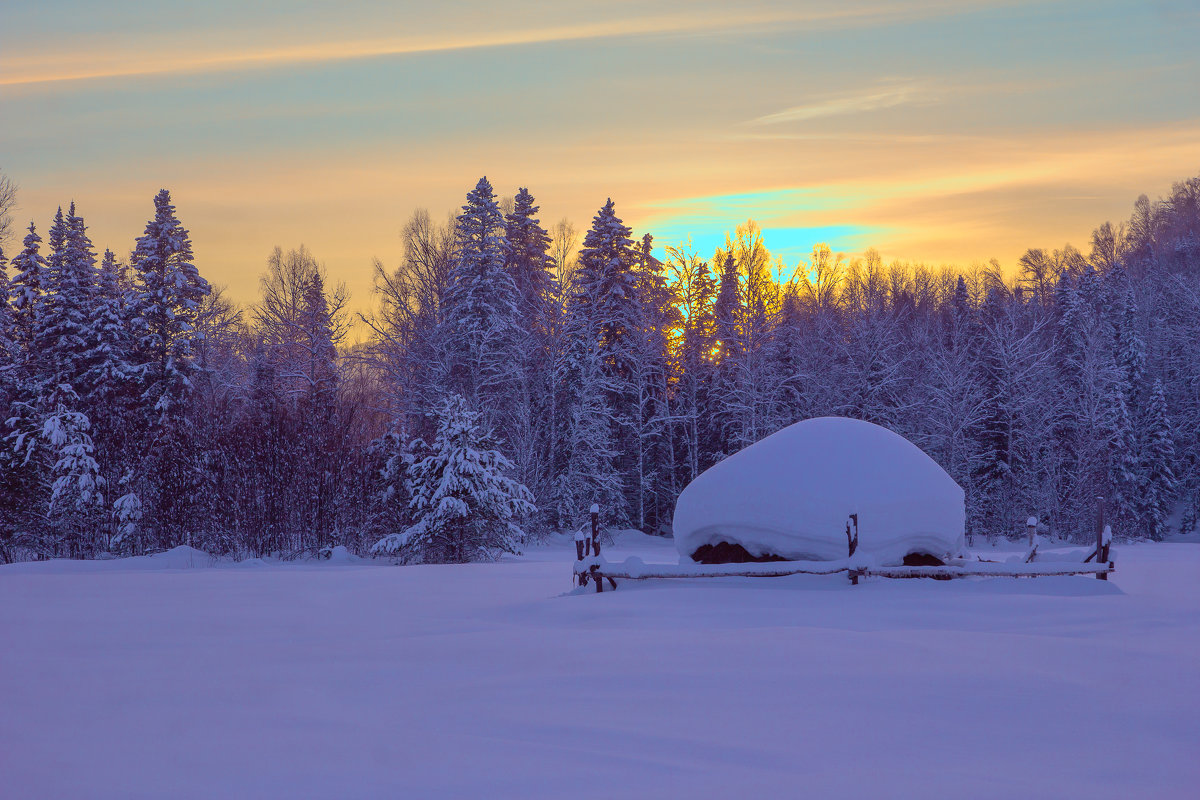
[[586, 471], [20, 501], [167, 297], [728, 311], [52, 431], [320, 448], [8, 346], [107, 389], [106, 358], [1131, 355], [606, 291], [164, 310], [652, 483], [785, 351], [534, 402], [58, 335], [64, 331], [608, 310], [1124, 468], [1158, 464], [26, 289], [479, 311], [529, 263], [466, 506]]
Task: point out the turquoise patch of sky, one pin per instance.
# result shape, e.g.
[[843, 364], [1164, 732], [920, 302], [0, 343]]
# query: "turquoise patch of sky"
[[793, 244]]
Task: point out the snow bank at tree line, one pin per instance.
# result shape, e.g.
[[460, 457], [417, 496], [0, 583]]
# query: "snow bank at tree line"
[[791, 494], [181, 557], [338, 554]]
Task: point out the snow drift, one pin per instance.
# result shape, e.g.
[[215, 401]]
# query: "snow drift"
[[789, 496]]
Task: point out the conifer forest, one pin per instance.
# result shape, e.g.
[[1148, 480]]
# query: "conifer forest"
[[514, 372]]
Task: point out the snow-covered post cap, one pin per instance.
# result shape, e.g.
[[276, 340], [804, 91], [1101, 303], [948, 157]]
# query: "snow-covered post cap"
[[1031, 522], [595, 536], [581, 545]]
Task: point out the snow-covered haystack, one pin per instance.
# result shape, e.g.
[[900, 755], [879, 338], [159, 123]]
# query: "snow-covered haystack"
[[789, 496]]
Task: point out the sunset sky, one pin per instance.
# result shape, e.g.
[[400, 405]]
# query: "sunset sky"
[[935, 130]]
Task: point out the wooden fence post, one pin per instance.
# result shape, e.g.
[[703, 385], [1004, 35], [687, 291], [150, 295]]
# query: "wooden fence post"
[[852, 542], [597, 576], [1031, 528], [1101, 550]]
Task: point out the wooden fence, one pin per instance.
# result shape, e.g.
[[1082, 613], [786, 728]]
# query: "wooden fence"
[[592, 567]]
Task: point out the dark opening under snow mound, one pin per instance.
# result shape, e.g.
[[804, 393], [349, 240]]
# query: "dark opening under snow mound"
[[733, 553], [922, 560], [727, 553]]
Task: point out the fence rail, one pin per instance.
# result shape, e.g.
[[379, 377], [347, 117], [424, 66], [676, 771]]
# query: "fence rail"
[[591, 567]]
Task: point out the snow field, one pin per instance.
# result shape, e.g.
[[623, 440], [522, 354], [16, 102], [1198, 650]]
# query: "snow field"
[[191, 678]]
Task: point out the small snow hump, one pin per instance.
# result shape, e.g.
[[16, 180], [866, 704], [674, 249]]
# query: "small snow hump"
[[789, 496]]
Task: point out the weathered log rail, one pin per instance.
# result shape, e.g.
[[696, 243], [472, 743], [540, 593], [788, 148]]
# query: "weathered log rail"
[[985, 569], [591, 567]]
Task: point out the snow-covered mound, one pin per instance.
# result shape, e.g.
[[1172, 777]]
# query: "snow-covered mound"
[[790, 495]]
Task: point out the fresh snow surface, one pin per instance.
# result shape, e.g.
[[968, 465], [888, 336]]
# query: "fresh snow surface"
[[190, 677], [791, 494]]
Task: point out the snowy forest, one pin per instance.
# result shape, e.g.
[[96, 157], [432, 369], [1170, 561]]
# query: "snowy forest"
[[514, 374]]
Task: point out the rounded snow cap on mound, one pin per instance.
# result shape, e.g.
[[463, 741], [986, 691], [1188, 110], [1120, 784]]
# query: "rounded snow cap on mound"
[[789, 496]]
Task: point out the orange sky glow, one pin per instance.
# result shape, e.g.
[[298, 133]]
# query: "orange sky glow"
[[941, 132]]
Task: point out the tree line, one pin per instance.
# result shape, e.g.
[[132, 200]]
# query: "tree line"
[[512, 378]]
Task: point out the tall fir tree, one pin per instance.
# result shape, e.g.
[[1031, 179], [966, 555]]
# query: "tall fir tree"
[[164, 311], [107, 389], [606, 290], [534, 405], [530, 264], [26, 289], [1158, 464], [321, 446], [586, 470], [727, 310], [63, 330], [479, 312], [106, 357], [20, 506], [1124, 467], [608, 310], [8, 345], [653, 481], [1131, 355], [168, 295]]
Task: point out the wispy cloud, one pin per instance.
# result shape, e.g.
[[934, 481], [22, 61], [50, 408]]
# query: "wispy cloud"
[[150, 58], [854, 103], [331, 51]]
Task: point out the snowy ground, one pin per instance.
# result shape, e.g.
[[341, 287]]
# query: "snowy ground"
[[174, 677]]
